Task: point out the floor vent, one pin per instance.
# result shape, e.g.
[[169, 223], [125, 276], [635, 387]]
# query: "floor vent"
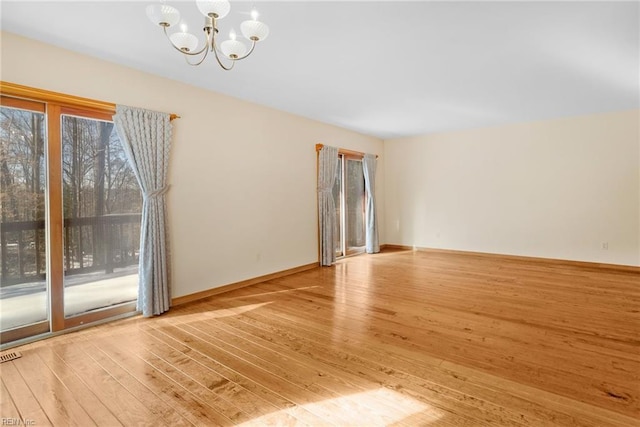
[[8, 357]]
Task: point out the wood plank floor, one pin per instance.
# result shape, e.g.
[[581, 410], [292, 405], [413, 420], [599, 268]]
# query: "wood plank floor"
[[397, 338]]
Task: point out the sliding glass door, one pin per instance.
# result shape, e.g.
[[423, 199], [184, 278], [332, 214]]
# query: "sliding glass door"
[[349, 197], [70, 219], [355, 197]]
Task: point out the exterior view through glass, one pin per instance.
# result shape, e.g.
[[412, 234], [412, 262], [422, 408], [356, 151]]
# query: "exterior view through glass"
[[23, 249], [101, 204]]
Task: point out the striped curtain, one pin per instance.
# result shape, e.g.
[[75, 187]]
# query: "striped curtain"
[[327, 167]]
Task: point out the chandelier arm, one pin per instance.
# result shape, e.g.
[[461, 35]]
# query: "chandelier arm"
[[214, 48], [206, 46], [186, 58], [224, 67]]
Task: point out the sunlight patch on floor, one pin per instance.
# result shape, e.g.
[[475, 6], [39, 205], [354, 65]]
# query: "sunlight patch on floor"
[[279, 292], [379, 407], [216, 314]]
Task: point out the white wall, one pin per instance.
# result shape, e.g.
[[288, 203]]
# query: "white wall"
[[242, 201], [552, 189]]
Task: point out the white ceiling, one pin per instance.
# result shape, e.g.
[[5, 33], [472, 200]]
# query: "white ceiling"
[[386, 69]]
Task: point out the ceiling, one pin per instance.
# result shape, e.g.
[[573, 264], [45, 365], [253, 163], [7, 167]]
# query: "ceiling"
[[386, 69]]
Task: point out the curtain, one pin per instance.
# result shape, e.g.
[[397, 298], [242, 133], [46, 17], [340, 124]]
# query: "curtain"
[[371, 227], [327, 167], [146, 139]]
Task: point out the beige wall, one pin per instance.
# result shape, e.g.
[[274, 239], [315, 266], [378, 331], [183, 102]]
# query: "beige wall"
[[554, 189], [242, 201]]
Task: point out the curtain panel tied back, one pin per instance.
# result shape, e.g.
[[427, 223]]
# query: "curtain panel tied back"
[[146, 139], [327, 167]]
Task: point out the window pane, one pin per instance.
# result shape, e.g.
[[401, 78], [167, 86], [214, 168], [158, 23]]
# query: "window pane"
[[355, 196], [102, 205], [23, 292]]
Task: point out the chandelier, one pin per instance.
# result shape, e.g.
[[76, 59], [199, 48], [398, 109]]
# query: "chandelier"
[[186, 43]]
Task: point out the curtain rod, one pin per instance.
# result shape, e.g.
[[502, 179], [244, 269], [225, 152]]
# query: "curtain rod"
[[14, 89], [344, 151]]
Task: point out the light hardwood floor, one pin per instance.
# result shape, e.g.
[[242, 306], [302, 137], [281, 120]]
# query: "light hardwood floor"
[[397, 338]]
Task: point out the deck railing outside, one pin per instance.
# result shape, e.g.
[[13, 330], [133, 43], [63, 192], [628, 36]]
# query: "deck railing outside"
[[92, 244]]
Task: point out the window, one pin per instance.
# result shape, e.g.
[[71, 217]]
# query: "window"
[[70, 215]]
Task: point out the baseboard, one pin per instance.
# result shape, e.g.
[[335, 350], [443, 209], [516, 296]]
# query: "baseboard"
[[232, 286], [583, 264]]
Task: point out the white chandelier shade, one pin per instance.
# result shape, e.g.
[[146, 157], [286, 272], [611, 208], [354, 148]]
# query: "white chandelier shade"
[[163, 14], [186, 43], [254, 30], [233, 49], [220, 8]]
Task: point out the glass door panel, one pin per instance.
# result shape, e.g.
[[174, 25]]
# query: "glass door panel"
[[350, 198], [355, 207], [101, 206], [23, 254]]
